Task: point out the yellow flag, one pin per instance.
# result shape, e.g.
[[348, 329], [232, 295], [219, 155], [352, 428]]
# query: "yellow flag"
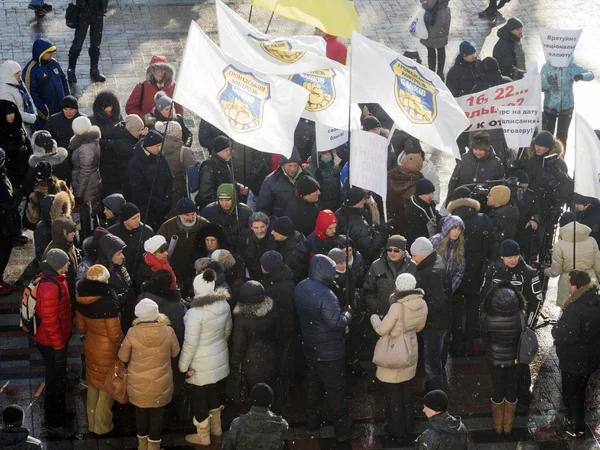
[[336, 17]]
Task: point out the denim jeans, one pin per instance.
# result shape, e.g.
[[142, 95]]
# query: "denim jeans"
[[433, 343]]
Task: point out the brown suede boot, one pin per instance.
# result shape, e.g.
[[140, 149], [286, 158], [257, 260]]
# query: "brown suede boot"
[[154, 445], [202, 436], [498, 413], [142, 442], [215, 421], [509, 415]]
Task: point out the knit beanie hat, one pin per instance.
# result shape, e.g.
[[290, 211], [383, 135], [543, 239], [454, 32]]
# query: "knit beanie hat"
[[513, 24], [307, 185], [566, 218], [521, 176], [186, 206], [466, 49], [421, 247], [43, 139], [544, 139], [261, 395], [152, 138], [370, 123], [81, 125], [489, 65], [12, 416], [284, 226], [204, 284], [56, 258], [99, 233], [146, 310], [43, 170], [171, 127], [461, 192], [509, 248], [128, 211], [424, 186], [500, 194], [154, 243], [397, 241], [162, 100], [226, 190], [221, 143], [436, 400], [98, 273], [69, 102], [252, 292], [482, 141], [406, 282], [354, 196], [337, 255], [271, 260], [224, 257], [133, 122]]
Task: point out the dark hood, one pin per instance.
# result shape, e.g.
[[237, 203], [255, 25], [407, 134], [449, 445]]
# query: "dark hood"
[[103, 99], [216, 230], [463, 207], [504, 300], [322, 270], [41, 46], [108, 246], [6, 108], [114, 202]]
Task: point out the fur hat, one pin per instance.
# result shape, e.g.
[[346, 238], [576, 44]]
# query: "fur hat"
[[81, 125], [98, 273], [482, 141], [154, 243], [406, 282], [146, 310], [500, 194], [224, 257], [204, 284], [133, 122]]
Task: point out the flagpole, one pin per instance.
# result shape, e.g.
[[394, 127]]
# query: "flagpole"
[[575, 212], [348, 293], [236, 194], [250, 15], [269, 24]]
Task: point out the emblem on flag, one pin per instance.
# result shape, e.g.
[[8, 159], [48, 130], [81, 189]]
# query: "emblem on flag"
[[416, 95], [242, 99], [321, 85], [280, 50]]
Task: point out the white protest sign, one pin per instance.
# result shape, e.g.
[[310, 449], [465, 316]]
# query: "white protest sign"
[[368, 162], [559, 45], [481, 107], [518, 124], [328, 138]]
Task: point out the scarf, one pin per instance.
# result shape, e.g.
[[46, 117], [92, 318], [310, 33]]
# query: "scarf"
[[157, 265], [456, 271], [27, 103]]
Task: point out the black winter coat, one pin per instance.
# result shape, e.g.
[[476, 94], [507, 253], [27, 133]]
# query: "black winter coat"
[[479, 242], [134, 240], [213, 172], [505, 220], [505, 52], [501, 326], [150, 191], [255, 334], [328, 176], [10, 224], [431, 276], [207, 133], [295, 251], [473, 170], [591, 218], [214, 214], [577, 333], [416, 216], [15, 143], [445, 432], [42, 234], [279, 285], [259, 429], [117, 181], [61, 128], [106, 124], [252, 249], [17, 438], [463, 76], [380, 281], [276, 192], [368, 240], [303, 215]]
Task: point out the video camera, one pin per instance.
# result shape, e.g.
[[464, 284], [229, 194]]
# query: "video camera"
[[480, 191]]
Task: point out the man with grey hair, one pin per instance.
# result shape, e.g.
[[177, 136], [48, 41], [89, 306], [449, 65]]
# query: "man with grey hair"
[[256, 242]]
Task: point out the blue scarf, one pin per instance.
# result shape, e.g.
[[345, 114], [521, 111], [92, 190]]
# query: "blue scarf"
[[27, 103]]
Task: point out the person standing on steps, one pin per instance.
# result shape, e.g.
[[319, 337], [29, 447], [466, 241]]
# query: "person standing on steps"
[[91, 15]]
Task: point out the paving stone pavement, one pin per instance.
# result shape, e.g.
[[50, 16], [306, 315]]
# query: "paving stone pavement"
[[137, 29]]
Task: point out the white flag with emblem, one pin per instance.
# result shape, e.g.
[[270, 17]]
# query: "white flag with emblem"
[[267, 54], [587, 159], [254, 109], [414, 96]]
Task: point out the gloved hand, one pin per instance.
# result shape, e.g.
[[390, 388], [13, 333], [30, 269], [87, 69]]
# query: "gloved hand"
[[374, 320], [60, 356], [578, 77]]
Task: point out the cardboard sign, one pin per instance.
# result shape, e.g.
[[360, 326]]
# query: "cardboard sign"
[[559, 45]]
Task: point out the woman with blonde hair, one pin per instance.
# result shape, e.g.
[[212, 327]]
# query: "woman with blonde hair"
[[147, 349], [450, 245]]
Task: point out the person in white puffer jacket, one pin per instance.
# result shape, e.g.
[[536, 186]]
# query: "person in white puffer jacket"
[[204, 356], [14, 90]]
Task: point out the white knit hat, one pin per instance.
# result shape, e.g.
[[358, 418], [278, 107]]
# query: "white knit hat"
[[154, 243], [81, 125], [98, 273], [406, 282], [204, 284], [146, 310]]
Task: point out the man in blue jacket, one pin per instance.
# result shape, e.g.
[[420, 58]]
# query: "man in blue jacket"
[[45, 81], [322, 325]]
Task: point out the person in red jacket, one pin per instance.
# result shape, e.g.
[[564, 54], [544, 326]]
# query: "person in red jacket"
[[160, 76], [335, 47], [53, 310]]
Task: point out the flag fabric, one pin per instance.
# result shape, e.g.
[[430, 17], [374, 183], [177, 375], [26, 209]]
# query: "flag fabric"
[[587, 159], [414, 97], [267, 54], [254, 109], [335, 17], [368, 166]]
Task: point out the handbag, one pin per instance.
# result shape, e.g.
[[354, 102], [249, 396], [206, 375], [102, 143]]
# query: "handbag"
[[417, 28], [528, 343], [236, 387], [116, 382], [72, 16], [392, 352]]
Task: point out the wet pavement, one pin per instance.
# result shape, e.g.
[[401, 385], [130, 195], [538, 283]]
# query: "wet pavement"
[[137, 29]]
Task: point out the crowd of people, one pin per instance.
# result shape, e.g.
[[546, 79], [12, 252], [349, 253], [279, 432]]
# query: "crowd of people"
[[236, 278]]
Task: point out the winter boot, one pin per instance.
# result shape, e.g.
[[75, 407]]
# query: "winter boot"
[[154, 445], [95, 74], [202, 436], [142, 442], [71, 77], [509, 415], [498, 413], [215, 421]]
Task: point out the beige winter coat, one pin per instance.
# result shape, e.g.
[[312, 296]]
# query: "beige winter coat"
[[406, 317], [148, 349], [87, 184], [587, 257]]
